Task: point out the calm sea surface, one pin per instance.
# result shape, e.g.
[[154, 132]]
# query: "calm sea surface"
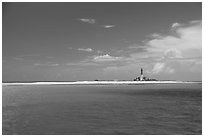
[[102, 109]]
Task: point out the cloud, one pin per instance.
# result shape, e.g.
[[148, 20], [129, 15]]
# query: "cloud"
[[172, 53], [54, 64], [18, 58], [105, 57], [70, 48], [154, 35], [108, 26], [99, 51], [26, 57], [88, 20], [162, 68], [46, 64], [93, 21], [81, 64], [186, 40], [158, 67], [174, 25], [87, 49], [31, 57], [176, 54], [169, 70], [169, 53]]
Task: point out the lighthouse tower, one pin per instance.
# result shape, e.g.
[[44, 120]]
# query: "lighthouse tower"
[[141, 77]]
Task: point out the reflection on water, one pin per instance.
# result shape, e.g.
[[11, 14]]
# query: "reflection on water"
[[105, 109]]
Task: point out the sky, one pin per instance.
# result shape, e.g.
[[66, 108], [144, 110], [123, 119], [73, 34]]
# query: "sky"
[[104, 41]]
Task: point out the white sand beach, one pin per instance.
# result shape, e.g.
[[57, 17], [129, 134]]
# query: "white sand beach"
[[99, 83]]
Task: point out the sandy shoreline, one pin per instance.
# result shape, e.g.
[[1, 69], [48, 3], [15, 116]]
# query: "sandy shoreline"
[[99, 83]]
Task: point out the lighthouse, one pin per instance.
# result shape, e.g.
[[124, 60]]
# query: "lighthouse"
[[141, 76]]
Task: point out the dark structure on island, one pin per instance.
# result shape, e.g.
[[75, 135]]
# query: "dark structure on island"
[[143, 78]]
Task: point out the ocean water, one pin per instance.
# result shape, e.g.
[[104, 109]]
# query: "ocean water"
[[167, 109]]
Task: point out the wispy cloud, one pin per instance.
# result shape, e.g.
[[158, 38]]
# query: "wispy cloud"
[[31, 57], [162, 68], [87, 49], [88, 20], [18, 58], [108, 26], [82, 64], [93, 21], [70, 48], [174, 25], [46, 64], [99, 51], [105, 57]]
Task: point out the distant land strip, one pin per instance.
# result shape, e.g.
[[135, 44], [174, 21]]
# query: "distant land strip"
[[98, 83]]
